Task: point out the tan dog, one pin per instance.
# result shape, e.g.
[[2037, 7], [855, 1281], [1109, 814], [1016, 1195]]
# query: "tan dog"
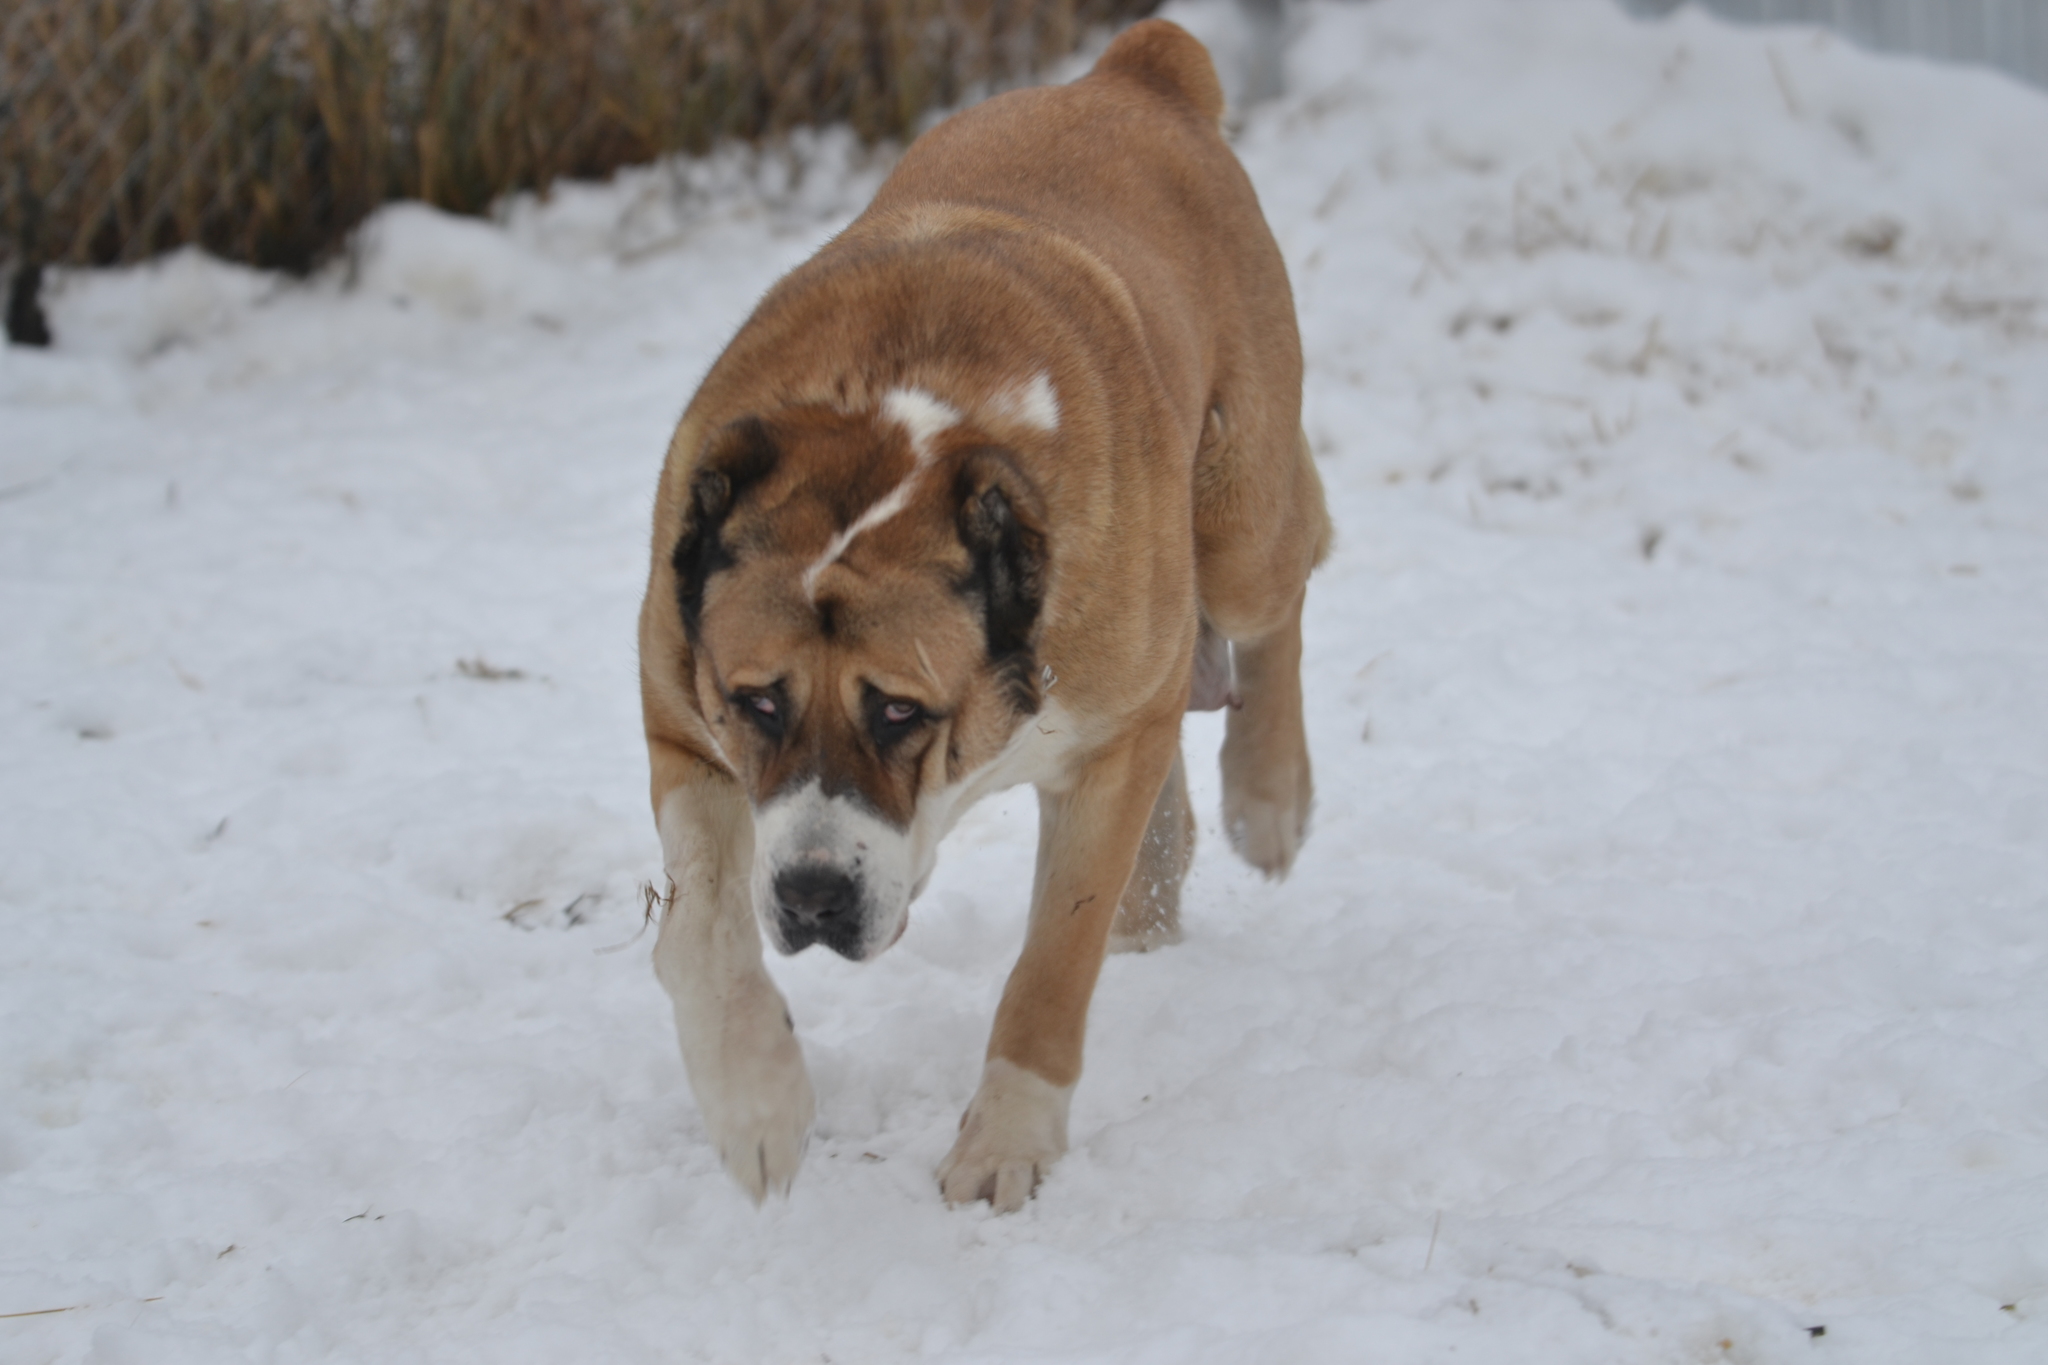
[[975, 498]]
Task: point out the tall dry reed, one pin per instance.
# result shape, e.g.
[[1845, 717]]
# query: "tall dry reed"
[[263, 130]]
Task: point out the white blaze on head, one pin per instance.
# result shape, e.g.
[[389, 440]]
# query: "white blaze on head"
[[922, 417], [920, 414], [1033, 403]]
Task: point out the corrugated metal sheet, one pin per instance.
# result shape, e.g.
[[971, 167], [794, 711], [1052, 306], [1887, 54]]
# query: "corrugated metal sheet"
[[2009, 34]]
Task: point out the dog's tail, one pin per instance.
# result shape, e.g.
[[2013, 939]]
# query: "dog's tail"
[[1171, 60]]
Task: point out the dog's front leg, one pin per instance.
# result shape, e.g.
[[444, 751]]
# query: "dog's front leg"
[[739, 1046], [1088, 834]]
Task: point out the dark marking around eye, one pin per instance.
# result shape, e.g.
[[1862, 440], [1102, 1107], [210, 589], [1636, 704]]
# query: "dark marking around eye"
[[765, 708], [891, 720]]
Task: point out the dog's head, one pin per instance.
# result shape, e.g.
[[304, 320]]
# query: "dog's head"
[[861, 595]]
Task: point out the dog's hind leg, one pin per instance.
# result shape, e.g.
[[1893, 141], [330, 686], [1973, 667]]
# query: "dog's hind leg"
[[1267, 788], [1148, 916], [1260, 529]]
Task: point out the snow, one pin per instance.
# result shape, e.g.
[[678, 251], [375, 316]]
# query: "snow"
[[1664, 978]]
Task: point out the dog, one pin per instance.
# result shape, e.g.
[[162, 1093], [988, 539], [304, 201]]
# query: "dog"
[[991, 490]]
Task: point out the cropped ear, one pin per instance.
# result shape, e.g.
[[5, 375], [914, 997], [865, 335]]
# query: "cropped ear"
[[735, 458], [1001, 520]]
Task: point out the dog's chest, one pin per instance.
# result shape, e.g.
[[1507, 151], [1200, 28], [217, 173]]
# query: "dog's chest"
[[1040, 753]]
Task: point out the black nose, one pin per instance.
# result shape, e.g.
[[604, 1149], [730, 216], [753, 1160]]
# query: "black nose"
[[817, 901]]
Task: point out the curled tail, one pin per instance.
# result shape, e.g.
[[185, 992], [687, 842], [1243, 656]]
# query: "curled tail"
[[1168, 58]]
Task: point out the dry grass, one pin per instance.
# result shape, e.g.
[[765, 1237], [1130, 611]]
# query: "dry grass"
[[264, 130]]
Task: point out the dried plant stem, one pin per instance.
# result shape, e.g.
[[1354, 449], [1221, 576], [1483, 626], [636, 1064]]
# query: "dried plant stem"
[[264, 130]]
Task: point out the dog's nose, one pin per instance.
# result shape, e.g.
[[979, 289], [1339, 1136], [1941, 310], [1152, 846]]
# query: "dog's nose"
[[818, 899]]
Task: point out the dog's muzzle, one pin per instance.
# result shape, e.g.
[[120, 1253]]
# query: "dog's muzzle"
[[828, 870], [819, 905]]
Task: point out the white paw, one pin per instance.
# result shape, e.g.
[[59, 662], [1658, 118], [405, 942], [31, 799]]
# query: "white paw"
[[1014, 1129], [1143, 938], [1265, 834], [747, 1071]]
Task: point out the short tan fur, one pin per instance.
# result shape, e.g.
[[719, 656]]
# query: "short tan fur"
[[954, 509]]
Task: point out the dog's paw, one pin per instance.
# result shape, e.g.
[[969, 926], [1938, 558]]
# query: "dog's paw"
[[754, 1092], [761, 1133], [1012, 1132], [1266, 834], [1142, 935]]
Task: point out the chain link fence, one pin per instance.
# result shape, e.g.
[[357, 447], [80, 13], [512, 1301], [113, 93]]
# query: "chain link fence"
[[264, 130]]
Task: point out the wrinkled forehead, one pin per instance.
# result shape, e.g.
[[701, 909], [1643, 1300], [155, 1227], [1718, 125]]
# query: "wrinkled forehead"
[[890, 620], [826, 537]]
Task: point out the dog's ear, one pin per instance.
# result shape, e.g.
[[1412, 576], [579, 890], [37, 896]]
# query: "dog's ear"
[[735, 457], [1001, 520]]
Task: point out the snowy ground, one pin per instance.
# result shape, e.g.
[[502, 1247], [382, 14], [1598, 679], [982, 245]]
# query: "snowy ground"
[[1665, 979]]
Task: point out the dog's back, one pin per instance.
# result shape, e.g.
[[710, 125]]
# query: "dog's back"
[[1129, 165], [1168, 58]]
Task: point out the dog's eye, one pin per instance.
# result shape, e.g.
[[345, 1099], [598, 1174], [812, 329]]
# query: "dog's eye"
[[763, 709], [891, 720]]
